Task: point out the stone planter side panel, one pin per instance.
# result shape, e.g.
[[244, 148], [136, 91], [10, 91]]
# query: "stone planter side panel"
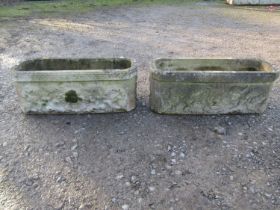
[[77, 97], [253, 2], [208, 98]]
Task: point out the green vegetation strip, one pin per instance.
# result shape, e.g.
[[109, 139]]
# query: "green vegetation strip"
[[70, 6]]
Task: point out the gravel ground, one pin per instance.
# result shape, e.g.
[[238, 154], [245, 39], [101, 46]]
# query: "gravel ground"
[[140, 160]]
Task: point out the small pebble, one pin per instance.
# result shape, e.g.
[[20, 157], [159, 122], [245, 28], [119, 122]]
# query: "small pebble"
[[84, 206], [220, 130], [182, 155], [59, 144], [120, 176], [169, 148], [151, 188], [177, 172], [167, 166], [125, 207], [270, 129], [173, 160], [27, 148], [75, 154], [68, 159], [60, 179], [267, 195], [133, 179], [74, 147]]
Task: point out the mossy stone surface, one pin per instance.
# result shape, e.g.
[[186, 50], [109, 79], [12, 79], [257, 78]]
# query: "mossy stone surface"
[[76, 86], [193, 86]]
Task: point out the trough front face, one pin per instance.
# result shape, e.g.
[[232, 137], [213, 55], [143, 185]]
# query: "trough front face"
[[210, 86], [54, 86], [253, 2]]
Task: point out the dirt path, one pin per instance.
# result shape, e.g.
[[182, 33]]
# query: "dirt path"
[[140, 160]]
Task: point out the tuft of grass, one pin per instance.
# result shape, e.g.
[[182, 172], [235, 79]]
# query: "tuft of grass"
[[73, 6]]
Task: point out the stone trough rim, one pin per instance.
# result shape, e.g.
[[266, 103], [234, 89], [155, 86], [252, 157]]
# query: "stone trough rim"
[[214, 76], [77, 75]]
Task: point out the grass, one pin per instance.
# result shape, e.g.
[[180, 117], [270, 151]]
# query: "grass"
[[72, 6]]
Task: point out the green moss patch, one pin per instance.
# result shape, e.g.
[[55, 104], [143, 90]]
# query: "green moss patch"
[[73, 6], [71, 97]]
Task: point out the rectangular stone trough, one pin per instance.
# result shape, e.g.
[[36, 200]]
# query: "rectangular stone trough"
[[253, 2], [210, 86], [50, 86]]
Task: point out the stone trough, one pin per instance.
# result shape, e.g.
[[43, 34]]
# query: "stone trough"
[[253, 2], [210, 86], [53, 86]]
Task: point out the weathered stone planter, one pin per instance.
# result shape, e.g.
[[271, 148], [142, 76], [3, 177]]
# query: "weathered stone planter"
[[76, 85], [210, 86], [253, 2]]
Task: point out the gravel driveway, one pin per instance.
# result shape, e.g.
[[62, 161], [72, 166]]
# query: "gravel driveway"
[[140, 160]]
